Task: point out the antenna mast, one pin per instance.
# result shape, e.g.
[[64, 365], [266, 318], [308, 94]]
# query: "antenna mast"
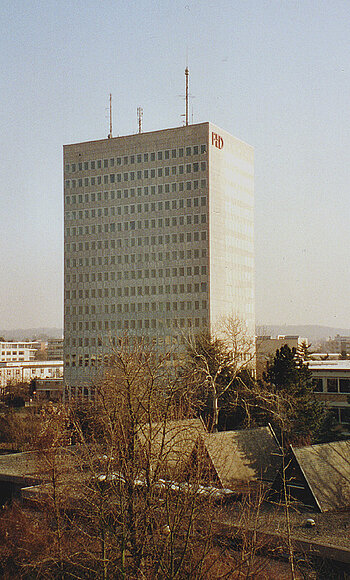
[[186, 76], [110, 116], [139, 118]]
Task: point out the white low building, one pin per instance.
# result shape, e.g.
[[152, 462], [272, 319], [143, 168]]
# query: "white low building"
[[24, 371], [17, 351], [332, 386]]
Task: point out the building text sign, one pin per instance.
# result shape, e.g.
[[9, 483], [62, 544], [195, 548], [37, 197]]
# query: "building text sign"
[[217, 140]]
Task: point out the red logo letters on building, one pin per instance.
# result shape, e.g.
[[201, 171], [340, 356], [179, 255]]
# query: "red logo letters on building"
[[217, 140]]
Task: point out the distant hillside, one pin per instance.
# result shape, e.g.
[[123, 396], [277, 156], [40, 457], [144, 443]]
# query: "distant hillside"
[[310, 331], [31, 333]]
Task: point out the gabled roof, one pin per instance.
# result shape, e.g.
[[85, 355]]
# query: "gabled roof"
[[168, 445], [29, 467], [243, 456], [19, 467], [326, 470]]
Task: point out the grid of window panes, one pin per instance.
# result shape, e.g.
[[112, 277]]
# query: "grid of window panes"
[[332, 385], [136, 250]]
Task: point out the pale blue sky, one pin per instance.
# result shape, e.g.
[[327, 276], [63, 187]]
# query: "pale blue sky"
[[273, 73]]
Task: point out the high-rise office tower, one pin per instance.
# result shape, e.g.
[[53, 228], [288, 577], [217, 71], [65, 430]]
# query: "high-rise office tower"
[[159, 239]]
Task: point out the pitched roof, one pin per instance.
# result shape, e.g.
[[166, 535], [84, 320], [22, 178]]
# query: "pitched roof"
[[168, 445], [326, 469], [243, 456], [15, 467], [31, 466]]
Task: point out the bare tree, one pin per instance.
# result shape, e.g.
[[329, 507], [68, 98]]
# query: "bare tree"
[[220, 366], [144, 519], [126, 501]]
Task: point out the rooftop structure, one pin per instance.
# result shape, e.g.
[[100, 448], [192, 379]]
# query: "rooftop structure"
[[237, 458], [319, 475], [168, 446]]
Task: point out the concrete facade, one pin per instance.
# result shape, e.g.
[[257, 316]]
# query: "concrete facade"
[[332, 387], [55, 349], [17, 351], [159, 240], [266, 346], [49, 390]]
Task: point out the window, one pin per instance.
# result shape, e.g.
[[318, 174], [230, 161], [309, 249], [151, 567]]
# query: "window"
[[345, 415], [318, 385], [332, 385], [344, 385]]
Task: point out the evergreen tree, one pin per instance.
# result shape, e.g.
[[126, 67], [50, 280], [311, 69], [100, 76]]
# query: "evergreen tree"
[[289, 375]]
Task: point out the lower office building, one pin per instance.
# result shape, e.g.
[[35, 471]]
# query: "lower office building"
[[159, 240], [14, 372]]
